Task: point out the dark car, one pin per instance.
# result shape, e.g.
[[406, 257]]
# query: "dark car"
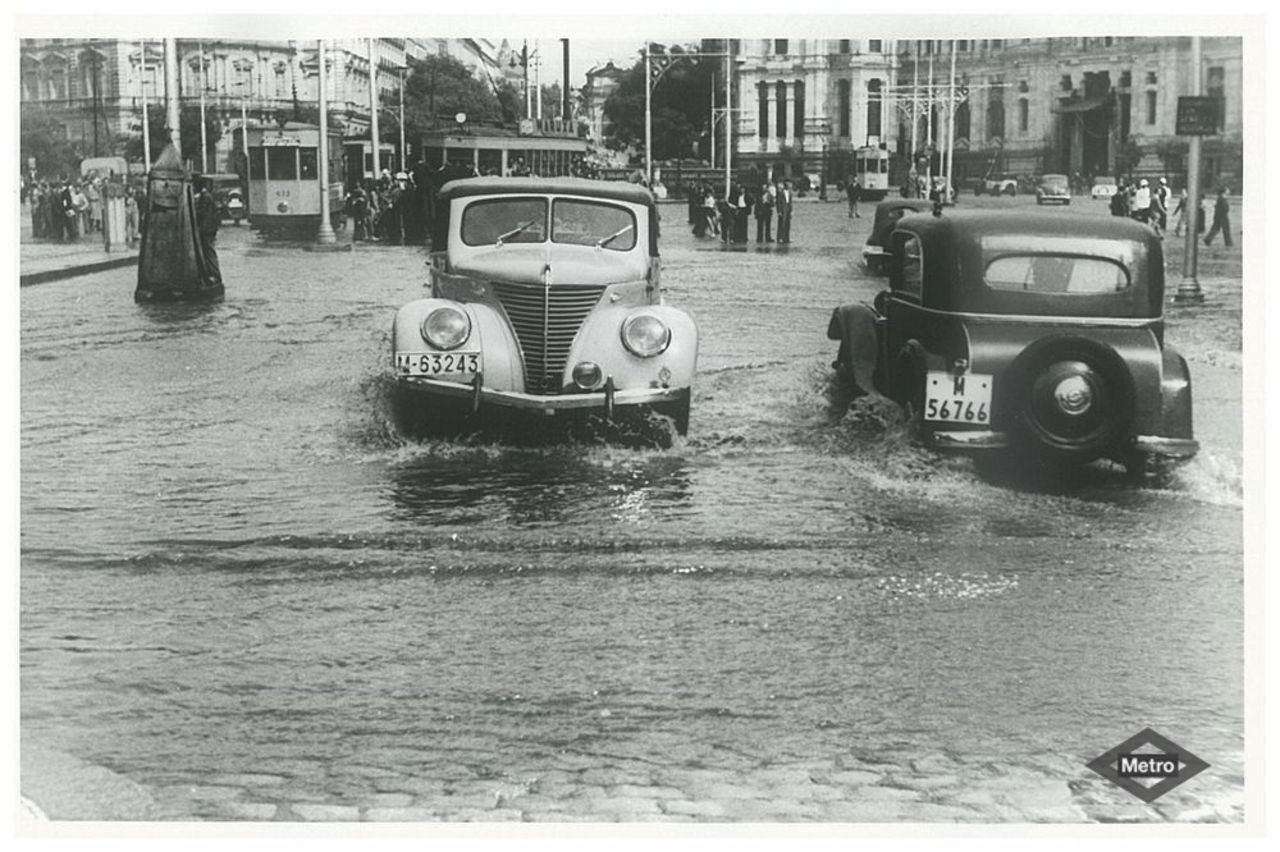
[[875, 254], [1053, 188], [1041, 334]]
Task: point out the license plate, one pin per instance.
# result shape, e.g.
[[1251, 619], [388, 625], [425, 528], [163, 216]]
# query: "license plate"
[[437, 363], [957, 399]]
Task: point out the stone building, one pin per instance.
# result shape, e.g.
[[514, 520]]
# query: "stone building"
[[1087, 106], [95, 88], [803, 105]]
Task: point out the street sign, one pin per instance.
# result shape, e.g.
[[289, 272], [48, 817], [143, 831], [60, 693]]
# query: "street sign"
[[1197, 116]]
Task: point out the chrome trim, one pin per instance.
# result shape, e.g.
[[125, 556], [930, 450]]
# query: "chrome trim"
[[1178, 448], [1040, 319], [984, 439], [533, 402]]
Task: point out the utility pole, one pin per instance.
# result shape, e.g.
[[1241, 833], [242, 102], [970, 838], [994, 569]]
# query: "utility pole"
[[728, 116], [566, 109], [915, 120], [648, 118], [325, 235], [524, 64], [951, 124], [1189, 292], [204, 130], [172, 115], [146, 121], [404, 152], [373, 111]]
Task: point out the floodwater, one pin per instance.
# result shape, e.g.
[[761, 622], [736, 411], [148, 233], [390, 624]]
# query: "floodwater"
[[244, 591]]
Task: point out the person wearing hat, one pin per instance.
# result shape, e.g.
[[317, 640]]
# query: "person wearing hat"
[[1160, 204], [1141, 209]]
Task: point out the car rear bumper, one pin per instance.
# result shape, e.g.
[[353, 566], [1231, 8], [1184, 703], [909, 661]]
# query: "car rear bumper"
[[1175, 448], [986, 439], [479, 395]]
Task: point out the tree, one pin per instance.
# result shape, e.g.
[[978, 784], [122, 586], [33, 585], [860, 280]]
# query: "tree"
[[131, 144], [441, 86], [1128, 155], [44, 139], [1172, 154], [680, 102]]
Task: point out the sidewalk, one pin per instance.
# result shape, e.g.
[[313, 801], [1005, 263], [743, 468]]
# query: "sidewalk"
[[46, 260]]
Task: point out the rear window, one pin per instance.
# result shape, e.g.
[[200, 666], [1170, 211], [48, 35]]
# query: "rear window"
[[589, 223], [511, 220], [1057, 274]]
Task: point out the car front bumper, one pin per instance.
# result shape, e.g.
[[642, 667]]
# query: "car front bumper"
[[987, 439], [605, 399]]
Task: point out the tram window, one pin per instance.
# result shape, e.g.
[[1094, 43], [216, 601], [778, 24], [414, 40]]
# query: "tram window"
[[257, 164], [282, 163], [308, 164]]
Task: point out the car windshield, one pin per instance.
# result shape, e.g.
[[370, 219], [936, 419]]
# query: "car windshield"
[[592, 223], [505, 220], [1054, 180], [1055, 273]]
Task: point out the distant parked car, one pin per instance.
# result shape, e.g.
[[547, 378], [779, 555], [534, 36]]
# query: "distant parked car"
[[1103, 188], [875, 254], [545, 301], [1041, 335], [1055, 188], [998, 184]]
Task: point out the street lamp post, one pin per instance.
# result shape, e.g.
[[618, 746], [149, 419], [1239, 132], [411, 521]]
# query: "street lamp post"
[[171, 93], [146, 122], [325, 235], [373, 110], [1189, 292], [204, 130]]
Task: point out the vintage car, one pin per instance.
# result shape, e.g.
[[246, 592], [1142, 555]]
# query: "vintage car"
[[544, 300], [875, 253], [1103, 188], [997, 184], [1041, 334], [1055, 188]]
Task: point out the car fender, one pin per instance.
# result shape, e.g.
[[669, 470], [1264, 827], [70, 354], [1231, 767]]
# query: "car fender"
[[856, 326], [501, 362], [1175, 390], [600, 340]]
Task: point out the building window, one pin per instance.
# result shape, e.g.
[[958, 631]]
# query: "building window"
[[873, 108], [1108, 40], [781, 114], [874, 45], [844, 45], [780, 46], [281, 84], [1151, 78], [1023, 87], [30, 84], [1151, 106], [799, 103], [762, 90], [1216, 88], [997, 44], [962, 45], [995, 116], [1024, 110], [1065, 83], [962, 120], [1126, 79], [844, 89]]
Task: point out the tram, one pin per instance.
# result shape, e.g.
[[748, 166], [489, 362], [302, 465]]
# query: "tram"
[[284, 180], [871, 167]]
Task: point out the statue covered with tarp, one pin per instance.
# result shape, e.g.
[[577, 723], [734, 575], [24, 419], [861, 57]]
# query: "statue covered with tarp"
[[176, 263]]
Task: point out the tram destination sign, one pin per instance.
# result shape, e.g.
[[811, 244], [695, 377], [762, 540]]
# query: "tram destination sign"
[[1198, 116]]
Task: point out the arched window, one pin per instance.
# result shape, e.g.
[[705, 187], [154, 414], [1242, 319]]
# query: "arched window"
[[31, 80], [995, 117], [782, 110], [962, 120]]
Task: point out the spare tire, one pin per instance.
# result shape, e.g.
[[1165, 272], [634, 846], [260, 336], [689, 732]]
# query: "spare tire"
[[1068, 398]]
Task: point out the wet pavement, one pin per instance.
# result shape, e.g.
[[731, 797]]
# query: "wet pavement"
[[247, 597]]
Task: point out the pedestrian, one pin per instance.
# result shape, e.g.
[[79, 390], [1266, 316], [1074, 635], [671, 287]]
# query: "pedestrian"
[[1181, 213], [709, 210], [1158, 216], [357, 208], [764, 213], [130, 216], [1141, 209], [93, 196], [1162, 195], [786, 204], [1221, 219], [741, 202], [208, 217], [853, 193], [1120, 201], [70, 216]]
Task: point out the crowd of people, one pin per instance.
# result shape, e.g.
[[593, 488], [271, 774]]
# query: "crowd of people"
[[67, 211], [1150, 204], [729, 216]]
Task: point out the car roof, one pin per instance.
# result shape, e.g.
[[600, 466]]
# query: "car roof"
[[1053, 176], [974, 224], [607, 189]]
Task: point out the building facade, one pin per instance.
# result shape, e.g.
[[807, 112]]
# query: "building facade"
[[1084, 106], [95, 88]]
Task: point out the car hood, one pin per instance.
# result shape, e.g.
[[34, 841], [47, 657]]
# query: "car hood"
[[524, 264]]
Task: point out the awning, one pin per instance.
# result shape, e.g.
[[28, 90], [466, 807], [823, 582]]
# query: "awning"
[[1083, 106]]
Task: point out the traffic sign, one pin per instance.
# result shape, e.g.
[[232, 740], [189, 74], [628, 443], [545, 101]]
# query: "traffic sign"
[[1197, 116]]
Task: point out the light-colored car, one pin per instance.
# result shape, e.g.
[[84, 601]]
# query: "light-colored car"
[[1103, 188], [545, 300], [998, 184], [1053, 188]]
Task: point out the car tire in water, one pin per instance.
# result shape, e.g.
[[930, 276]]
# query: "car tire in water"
[[1028, 399]]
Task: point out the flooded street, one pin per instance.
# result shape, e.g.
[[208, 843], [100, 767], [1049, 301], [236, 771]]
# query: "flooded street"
[[243, 591]]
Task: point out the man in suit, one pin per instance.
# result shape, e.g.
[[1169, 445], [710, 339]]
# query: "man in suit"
[[764, 213], [786, 200]]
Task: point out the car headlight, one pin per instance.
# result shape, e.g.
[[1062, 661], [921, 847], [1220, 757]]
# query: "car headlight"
[[446, 328], [645, 335]]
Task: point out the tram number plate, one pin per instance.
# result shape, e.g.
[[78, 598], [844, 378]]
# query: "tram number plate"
[[437, 363], [957, 399]]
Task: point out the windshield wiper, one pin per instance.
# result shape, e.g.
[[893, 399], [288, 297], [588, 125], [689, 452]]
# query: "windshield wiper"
[[515, 232], [604, 242]]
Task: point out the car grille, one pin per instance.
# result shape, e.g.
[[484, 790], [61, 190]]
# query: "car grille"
[[546, 320]]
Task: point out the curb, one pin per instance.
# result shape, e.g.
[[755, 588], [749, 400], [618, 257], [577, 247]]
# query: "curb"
[[74, 271]]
